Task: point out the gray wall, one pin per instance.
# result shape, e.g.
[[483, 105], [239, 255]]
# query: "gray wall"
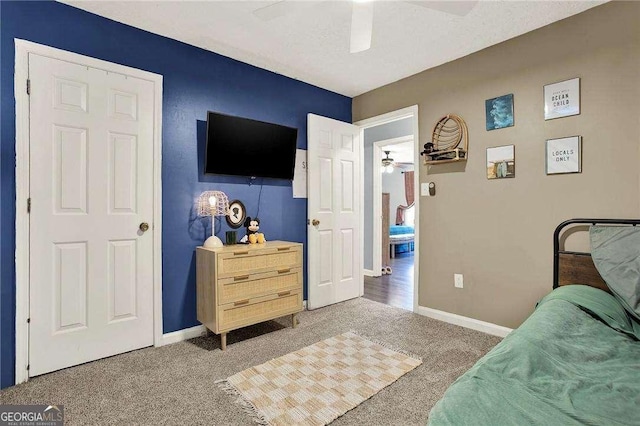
[[392, 130], [498, 233]]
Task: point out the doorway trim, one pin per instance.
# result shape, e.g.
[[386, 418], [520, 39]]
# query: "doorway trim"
[[377, 199], [411, 111], [22, 50]]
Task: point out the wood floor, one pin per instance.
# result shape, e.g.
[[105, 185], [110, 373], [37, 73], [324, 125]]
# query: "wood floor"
[[395, 289]]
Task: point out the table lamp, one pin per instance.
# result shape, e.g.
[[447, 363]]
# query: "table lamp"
[[213, 203]]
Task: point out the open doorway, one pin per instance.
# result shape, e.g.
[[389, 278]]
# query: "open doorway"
[[395, 187], [390, 211]]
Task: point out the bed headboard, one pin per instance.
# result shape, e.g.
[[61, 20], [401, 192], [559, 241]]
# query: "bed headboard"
[[570, 267]]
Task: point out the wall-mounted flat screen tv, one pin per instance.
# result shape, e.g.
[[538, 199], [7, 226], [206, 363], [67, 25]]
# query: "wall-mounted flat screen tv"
[[244, 147]]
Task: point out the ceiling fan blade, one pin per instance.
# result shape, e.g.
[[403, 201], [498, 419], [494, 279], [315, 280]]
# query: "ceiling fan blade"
[[272, 11], [460, 8], [361, 26], [282, 8]]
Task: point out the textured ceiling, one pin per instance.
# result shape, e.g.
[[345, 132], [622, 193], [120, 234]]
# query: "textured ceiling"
[[311, 41]]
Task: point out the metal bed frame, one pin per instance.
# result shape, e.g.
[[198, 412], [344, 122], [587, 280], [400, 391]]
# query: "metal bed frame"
[[556, 239]]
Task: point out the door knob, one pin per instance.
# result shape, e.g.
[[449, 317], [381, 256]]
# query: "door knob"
[[144, 227], [315, 222]]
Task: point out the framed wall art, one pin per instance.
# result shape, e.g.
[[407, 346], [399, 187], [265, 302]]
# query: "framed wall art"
[[564, 155], [562, 99], [237, 214], [499, 112], [501, 162]]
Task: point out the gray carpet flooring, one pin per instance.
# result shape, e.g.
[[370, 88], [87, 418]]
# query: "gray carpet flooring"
[[174, 384]]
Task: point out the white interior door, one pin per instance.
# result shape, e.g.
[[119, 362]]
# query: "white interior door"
[[334, 229], [91, 263]]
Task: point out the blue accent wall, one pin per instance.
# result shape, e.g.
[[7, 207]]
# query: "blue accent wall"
[[195, 81]]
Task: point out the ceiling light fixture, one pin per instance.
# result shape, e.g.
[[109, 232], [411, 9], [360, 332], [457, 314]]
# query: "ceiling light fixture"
[[387, 163]]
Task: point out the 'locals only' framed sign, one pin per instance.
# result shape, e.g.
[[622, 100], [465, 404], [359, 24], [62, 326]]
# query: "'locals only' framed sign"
[[564, 155]]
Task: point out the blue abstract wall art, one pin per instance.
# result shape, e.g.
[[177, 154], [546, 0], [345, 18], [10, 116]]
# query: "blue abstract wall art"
[[499, 112]]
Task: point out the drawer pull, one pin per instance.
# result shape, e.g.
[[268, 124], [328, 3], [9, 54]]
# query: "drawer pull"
[[241, 302], [283, 248], [244, 277], [284, 271], [240, 253], [284, 293]]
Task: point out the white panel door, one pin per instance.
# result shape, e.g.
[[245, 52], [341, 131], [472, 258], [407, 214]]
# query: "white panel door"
[[334, 251], [91, 265]]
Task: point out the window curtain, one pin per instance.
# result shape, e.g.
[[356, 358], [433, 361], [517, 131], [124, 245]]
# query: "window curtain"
[[409, 192]]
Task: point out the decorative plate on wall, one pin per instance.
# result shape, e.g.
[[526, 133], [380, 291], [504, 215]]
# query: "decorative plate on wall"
[[237, 214]]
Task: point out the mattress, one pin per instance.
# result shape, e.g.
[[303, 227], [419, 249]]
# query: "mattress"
[[574, 361]]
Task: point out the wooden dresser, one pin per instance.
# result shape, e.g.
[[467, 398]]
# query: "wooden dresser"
[[241, 285]]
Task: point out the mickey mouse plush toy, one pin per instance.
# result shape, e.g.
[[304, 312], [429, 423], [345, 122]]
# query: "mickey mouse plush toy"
[[253, 236]]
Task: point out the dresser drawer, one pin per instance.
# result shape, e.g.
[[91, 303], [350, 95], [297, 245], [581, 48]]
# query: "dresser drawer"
[[251, 286], [232, 316], [247, 262]]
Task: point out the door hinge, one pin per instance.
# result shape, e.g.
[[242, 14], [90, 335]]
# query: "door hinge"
[[28, 86], [28, 205], [28, 366], [28, 320]]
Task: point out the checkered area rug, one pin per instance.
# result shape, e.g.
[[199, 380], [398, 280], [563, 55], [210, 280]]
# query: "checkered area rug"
[[319, 383]]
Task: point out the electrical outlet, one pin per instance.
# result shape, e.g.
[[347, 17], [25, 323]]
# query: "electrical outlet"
[[458, 280]]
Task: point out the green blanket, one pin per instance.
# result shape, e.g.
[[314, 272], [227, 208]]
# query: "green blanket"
[[575, 360]]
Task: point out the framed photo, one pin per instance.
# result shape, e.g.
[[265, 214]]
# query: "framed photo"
[[237, 214], [501, 162], [499, 112], [562, 99], [564, 155]]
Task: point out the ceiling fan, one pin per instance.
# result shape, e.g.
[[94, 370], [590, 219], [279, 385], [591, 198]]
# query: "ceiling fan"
[[361, 15], [388, 164]]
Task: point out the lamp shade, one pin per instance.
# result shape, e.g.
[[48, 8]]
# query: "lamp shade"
[[213, 203]]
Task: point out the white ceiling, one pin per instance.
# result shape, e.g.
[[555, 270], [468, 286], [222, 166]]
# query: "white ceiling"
[[311, 42]]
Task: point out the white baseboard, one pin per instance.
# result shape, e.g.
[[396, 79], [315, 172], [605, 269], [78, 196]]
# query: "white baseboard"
[[474, 324], [370, 273], [186, 334]]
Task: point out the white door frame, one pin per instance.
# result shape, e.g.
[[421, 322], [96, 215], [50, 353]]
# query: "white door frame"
[[22, 50], [411, 111], [377, 198]]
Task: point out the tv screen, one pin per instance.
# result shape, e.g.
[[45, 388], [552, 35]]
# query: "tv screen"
[[243, 147]]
